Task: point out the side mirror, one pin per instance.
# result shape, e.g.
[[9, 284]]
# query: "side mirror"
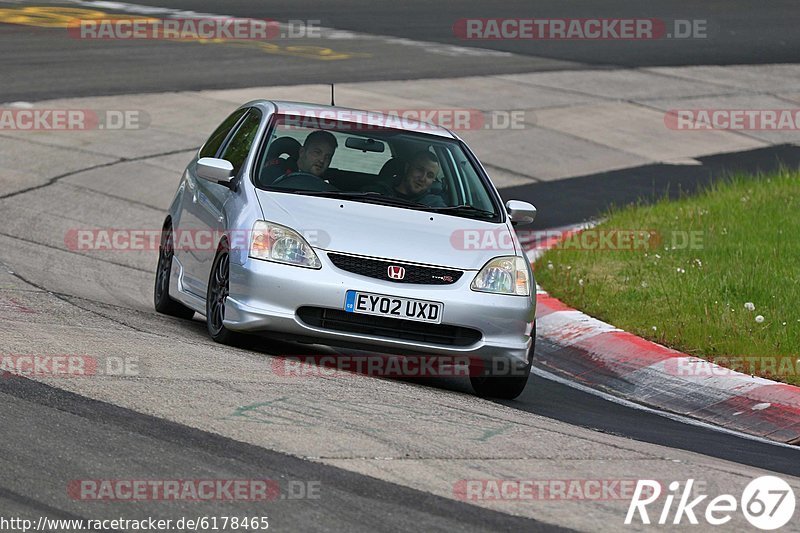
[[520, 212], [216, 170]]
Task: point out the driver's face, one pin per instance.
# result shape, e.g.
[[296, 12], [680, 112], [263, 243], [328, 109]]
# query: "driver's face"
[[315, 158]]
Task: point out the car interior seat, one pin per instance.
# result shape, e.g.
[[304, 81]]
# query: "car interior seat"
[[387, 177], [275, 166]]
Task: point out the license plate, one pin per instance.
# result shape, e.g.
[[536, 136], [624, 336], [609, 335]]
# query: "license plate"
[[381, 305]]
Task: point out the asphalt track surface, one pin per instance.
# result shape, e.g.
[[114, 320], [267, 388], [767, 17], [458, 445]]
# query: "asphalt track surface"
[[392, 40], [51, 436], [739, 32], [78, 424]]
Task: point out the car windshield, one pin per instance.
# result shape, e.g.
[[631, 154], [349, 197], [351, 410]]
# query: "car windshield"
[[375, 164]]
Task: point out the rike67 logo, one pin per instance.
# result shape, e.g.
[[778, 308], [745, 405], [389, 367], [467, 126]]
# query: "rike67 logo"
[[767, 503]]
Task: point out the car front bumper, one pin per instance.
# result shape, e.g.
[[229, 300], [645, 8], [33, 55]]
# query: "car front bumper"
[[265, 298]]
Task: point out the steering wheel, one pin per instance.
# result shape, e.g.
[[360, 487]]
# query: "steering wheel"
[[294, 174], [304, 180]]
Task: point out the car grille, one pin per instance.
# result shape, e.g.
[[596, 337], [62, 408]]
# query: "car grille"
[[379, 269], [392, 328]]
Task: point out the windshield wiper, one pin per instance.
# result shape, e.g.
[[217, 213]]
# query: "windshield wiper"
[[464, 209], [332, 194], [364, 196]]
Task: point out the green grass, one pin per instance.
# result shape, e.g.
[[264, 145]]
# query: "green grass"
[[748, 250]]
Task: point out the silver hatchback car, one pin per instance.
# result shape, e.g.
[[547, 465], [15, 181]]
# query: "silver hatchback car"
[[328, 225]]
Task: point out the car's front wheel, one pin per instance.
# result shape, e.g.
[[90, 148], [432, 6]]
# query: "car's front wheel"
[[161, 298], [506, 385], [218, 287]]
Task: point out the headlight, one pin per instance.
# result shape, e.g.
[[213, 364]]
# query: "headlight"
[[504, 275], [273, 242]]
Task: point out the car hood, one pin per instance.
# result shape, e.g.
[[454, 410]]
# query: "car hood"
[[360, 228]]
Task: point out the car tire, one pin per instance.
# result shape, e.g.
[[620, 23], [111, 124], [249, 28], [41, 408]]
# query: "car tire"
[[162, 301], [503, 387], [218, 287]]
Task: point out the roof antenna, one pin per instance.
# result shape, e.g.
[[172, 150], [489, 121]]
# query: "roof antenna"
[[332, 104]]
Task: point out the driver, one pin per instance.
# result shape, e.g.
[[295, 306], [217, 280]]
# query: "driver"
[[314, 158], [316, 153]]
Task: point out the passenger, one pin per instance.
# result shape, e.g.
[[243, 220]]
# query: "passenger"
[[417, 180]]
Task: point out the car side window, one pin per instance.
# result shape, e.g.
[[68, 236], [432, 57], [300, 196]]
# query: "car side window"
[[213, 143], [239, 146]]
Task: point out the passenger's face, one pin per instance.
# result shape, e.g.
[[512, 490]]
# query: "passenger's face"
[[315, 158], [420, 175]]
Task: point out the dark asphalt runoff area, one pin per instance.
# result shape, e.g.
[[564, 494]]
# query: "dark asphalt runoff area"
[[582, 198]]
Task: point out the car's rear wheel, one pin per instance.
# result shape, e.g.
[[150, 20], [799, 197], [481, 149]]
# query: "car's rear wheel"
[[161, 298], [509, 384], [218, 287]]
